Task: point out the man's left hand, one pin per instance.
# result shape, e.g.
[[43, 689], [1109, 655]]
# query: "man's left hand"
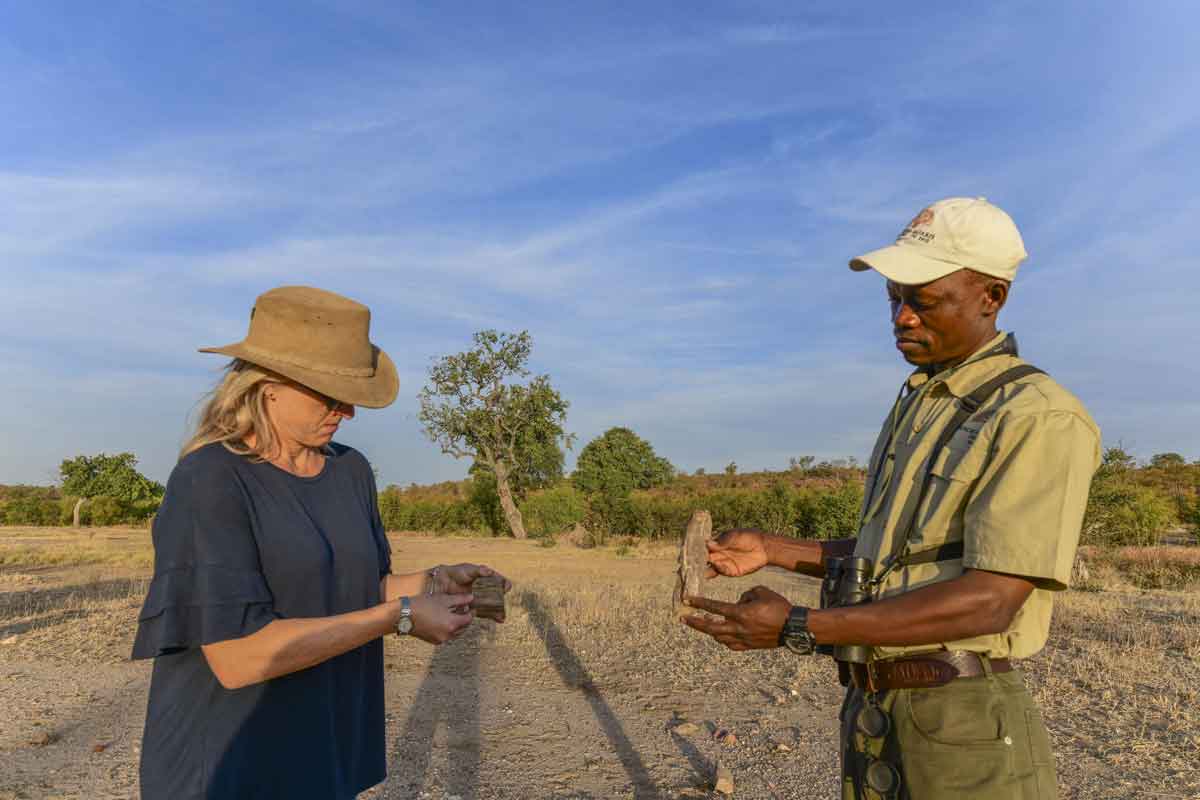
[[752, 623], [458, 578]]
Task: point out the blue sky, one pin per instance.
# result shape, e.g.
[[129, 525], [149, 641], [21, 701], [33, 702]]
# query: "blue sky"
[[664, 195]]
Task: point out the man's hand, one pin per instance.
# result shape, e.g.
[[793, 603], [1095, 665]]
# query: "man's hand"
[[737, 552], [458, 578], [752, 623]]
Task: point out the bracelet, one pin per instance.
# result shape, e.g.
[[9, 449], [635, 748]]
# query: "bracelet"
[[432, 582]]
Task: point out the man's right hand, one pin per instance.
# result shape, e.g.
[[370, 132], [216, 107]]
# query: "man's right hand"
[[737, 552], [438, 618]]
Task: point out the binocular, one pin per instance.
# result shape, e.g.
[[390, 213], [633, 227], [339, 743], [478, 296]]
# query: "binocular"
[[847, 583]]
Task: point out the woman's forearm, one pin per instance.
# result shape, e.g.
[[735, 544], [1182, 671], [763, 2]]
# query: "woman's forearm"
[[393, 587], [285, 646]]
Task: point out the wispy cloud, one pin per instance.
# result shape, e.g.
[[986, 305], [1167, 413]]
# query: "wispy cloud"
[[666, 203]]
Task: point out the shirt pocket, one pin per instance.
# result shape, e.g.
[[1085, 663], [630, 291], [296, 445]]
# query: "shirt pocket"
[[946, 491]]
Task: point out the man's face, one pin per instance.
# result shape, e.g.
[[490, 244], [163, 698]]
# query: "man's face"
[[943, 322]]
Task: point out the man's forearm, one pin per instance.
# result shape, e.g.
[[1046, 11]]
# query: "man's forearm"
[[806, 556], [975, 604]]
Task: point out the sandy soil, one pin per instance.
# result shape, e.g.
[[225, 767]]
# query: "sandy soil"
[[580, 693]]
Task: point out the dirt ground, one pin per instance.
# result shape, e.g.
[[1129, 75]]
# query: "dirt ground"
[[583, 691]]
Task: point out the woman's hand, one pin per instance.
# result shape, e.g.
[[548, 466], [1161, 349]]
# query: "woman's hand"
[[438, 618], [458, 578], [737, 552]]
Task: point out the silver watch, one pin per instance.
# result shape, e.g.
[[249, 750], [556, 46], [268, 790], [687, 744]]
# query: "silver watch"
[[404, 625]]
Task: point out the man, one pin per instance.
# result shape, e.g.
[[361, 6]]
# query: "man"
[[973, 503]]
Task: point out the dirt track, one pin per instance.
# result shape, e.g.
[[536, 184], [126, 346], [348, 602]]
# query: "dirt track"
[[576, 696]]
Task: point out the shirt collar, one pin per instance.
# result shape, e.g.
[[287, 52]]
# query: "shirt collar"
[[957, 379]]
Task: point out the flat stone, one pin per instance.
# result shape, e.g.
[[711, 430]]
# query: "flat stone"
[[724, 780], [43, 738]]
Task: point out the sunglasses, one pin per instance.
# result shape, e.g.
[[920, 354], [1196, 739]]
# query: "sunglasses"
[[331, 405]]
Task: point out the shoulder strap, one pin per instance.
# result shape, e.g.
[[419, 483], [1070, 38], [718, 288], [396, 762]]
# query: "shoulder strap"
[[967, 406]]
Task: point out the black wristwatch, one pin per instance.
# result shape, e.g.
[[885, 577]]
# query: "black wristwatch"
[[795, 635]]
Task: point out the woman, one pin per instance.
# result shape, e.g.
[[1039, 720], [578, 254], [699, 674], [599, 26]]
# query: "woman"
[[272, 582]]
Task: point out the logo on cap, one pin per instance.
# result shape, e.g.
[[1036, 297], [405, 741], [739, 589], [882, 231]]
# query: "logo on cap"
[[912, 232]]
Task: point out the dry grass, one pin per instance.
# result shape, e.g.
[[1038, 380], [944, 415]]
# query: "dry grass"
[[1165, 567], [1119, 682], [74, 547], [1119, 685]]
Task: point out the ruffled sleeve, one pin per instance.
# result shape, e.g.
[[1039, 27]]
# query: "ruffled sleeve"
[[378, 532], [208, 583]]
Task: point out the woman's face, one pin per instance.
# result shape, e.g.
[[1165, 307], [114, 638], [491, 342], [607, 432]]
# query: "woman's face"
[[303, 416]]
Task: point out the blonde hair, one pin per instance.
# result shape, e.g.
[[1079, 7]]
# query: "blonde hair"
[[236, 409]]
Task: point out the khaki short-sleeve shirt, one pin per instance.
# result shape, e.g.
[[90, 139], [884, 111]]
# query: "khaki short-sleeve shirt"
[[1011, 484]]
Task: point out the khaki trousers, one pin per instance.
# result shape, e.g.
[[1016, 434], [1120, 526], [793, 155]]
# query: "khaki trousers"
[[980, 738]]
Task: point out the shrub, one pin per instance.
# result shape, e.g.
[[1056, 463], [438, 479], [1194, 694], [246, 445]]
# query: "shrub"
[[107, 510], [825, 511], [31, 505], [485, 499], [1121, 512], [831, 514], [553, 510]]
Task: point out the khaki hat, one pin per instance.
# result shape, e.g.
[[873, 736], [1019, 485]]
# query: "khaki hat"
[[952, 234], [318, 339]]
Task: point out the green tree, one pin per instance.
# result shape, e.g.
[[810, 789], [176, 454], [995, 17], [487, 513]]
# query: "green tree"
[[1116, 460], [619, 461], [801, 464], [102, 475], [473, 408], [1167, 460]]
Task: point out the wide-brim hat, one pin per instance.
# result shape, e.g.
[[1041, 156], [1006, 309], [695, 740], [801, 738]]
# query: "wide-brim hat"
[[320, 340]]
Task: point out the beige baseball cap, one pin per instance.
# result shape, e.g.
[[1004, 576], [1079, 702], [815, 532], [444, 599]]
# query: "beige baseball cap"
[[951, 234]]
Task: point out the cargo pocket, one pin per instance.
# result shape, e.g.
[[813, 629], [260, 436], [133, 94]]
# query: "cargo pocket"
[[955, 741]]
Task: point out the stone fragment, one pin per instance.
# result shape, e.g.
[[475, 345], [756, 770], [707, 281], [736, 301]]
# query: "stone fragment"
[[724, 780], [686, 729], [693, 562], [725, 737], [488, 593]]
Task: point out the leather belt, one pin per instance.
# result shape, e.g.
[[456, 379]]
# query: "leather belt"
[[923, 671]]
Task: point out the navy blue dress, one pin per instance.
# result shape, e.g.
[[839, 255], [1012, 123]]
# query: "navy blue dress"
[[238, 544]]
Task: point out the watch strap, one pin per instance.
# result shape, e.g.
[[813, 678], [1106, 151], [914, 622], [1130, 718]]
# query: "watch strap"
[[404, 625]]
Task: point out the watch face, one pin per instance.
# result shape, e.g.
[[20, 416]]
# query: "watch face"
[[800, 643], [405, 626]]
